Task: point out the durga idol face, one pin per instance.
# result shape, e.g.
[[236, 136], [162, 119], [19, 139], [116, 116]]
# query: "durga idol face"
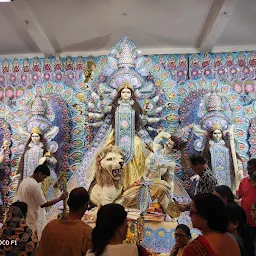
[[217, 135], [35, 137], [126, 94]]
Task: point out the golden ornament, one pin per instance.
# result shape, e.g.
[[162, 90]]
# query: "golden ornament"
[[173, 210], [216, 127], [36, 130], [81, 97]]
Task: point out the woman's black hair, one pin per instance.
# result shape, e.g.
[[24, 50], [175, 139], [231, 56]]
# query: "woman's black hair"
[[22, 206], [109, 218], [211, 208], [252, 162], [225, 192], [237, 214], [43, 168], [185, 229], [197, 159]]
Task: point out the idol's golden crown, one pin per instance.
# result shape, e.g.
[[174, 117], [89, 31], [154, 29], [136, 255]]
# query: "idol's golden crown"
[[125, 84], [36, 130], [216, 127]]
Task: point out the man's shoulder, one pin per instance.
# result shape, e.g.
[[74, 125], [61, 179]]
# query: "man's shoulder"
[[28, 184], [29, 181], [86, 226], [53, 222], [210, 174], [83, 224], [77, 223]]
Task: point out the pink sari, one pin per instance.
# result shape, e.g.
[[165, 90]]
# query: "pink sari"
[[199, 247]]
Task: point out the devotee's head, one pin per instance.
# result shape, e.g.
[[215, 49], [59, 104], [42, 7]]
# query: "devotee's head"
[[41, 172], [208, 212], [224, 193], [238, 226], [182, 235], [251, 168], [198, 164], [253, 212], [237, 218], [111, 224], [78, 201], [22, 206]]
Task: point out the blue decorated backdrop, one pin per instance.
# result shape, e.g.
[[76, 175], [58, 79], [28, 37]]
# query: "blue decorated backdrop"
[[181, 80], [183, 84]]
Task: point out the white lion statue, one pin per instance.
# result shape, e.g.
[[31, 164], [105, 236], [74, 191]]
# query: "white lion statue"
[[108, 183]]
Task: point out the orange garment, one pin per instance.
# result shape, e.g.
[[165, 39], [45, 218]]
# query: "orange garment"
[[199, 247], [176, 251], [65, 237]]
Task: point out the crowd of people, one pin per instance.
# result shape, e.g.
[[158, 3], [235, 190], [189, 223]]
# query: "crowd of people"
[[227, 221]]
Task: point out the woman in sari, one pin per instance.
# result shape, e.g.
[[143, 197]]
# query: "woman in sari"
[[110, 232], [208, 214], [182, 237], [21, 239]]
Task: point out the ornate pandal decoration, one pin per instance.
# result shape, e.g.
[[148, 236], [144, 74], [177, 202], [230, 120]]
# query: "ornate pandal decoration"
[[163, 158], [124, 122], [216, 126], [220, 142], [62, 182], [125, 84], [32, 157], [130, 102], [88, 70], [39, 145]]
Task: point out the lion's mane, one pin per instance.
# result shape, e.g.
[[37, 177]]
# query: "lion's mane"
[[103, 178]]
